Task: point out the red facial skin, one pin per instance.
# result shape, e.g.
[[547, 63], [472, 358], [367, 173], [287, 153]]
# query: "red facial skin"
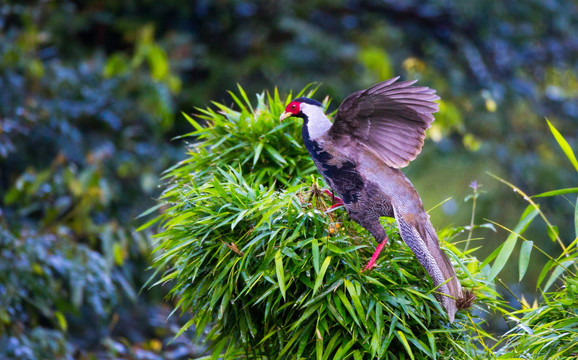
[[294, 107]]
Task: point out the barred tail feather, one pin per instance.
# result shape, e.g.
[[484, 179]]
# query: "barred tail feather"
[[421, 238]]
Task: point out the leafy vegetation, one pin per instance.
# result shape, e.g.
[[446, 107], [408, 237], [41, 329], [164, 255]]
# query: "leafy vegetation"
[[251, 138], [89, 95], [79, 160], [277, 277], [548, 331]]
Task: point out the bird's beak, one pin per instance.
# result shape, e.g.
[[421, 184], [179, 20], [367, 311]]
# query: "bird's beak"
[[285, 116]]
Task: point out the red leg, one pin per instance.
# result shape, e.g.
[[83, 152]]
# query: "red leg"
[[337, 202], [375, 255], [335, 205]]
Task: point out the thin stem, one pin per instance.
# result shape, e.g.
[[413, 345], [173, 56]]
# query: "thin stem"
[[535, 206], [478, 334], [471, 221], [533, 245], [511, 292]]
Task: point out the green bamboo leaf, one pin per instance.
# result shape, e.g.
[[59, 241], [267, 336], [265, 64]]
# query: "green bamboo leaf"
[[564, 145], [403, 340], [306, 315], [503, 256], [355, 297], [558, 270], [195, 124], [576, 219], [218, 348], [245, 97], [432, 344], [289, 344], [321, 274], [280, 272], [347, 305], [148, 224], [319, 345], [491, 257], [275, 154], [375, 344], [185, 327], [61, 319], [303, 341], [553, 232], [557, 192], [343, 349], [331, 345], [510, 243], [239, 218], [525, 251], [258, 149], [118, 253], [239, 103], [315, 254], [544, 272], [378, 319]]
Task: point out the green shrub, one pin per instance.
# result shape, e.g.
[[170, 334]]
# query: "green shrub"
[[42, 278], [251, 138], [276, 277], [548, 330], [79, 158]]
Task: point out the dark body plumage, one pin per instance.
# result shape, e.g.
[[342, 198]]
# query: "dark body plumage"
[[377, 131]]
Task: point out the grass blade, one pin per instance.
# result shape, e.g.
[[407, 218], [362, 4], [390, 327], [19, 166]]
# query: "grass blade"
[[556, 274], [280, 272], [315, 254], [557, 192], [564, 145], [355, 297], [258, 149], [525, 251], [403, 340], [576, 219], [510, 243], [321, 274]]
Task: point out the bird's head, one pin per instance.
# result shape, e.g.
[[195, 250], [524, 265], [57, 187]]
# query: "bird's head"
[[311, 111], [302, 107]]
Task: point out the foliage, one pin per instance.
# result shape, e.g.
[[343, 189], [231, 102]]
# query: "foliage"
[[79, 156], [251, 137], [46, 277], [565, 263], [277, 277], [549, 331]]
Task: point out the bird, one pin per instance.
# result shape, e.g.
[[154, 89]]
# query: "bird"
[[375, 133]]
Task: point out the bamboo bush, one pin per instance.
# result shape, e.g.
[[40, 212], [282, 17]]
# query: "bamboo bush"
[[548, 330], [253, 255]]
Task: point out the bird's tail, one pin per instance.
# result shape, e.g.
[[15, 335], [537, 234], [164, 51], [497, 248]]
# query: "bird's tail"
[[421, 238]]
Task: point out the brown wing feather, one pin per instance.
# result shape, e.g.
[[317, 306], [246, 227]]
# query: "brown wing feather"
[[390, 119]]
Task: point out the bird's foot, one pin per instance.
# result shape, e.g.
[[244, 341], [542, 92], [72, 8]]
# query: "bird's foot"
[[337, 202], [375, 255]]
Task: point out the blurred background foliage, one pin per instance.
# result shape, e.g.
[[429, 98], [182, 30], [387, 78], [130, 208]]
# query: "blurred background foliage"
[[90, 98]]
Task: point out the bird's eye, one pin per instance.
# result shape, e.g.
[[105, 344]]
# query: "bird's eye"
[[293, 106]]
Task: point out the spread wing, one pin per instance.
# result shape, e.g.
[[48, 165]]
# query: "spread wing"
[[390, 119]]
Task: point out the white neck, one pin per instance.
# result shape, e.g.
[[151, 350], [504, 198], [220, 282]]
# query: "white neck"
[[317, 123]]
